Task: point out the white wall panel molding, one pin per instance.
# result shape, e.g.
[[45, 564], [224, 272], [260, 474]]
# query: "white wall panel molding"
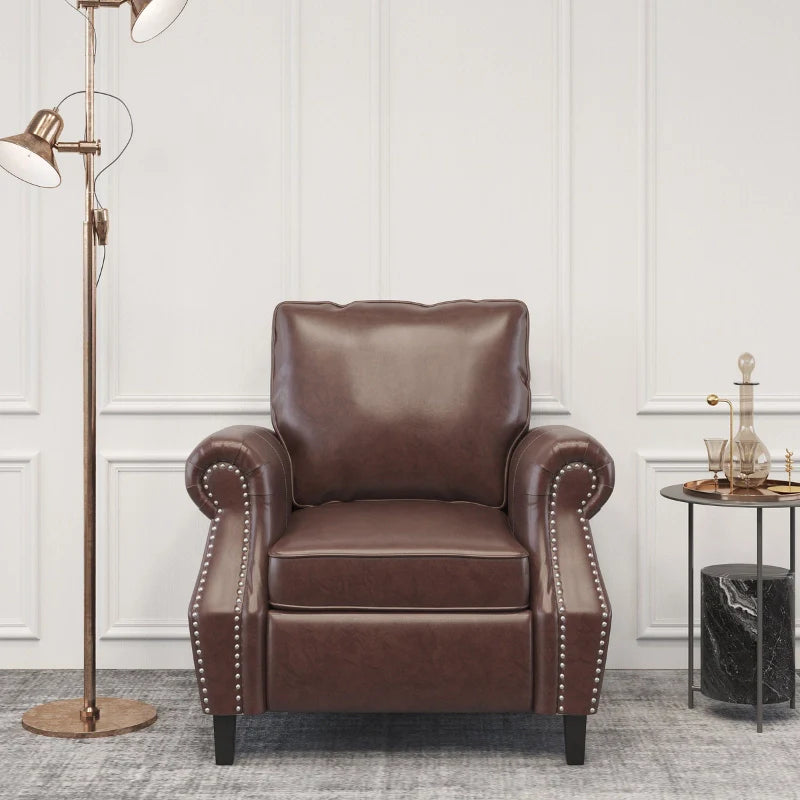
[[290, 165], [558, 402], [650, 466], [188, 404], [113, 399], [647, 353], [554, 401], [26, 399], [492, 101], [379, 156], [20, 538], [655, 575], [650, 399], [118, 570]]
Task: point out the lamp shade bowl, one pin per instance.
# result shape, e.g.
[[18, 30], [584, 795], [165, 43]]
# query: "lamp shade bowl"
[[30, 156], [149, 18]]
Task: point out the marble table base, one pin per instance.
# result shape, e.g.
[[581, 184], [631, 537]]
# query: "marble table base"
[[728, 633]]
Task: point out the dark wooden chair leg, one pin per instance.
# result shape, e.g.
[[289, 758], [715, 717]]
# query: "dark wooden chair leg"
[[575, 738], [224, 738]]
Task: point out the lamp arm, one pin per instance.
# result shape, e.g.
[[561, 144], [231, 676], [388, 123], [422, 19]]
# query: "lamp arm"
[[84, 148], [101, 3]]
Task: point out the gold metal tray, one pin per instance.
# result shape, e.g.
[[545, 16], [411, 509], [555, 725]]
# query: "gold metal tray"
[[764, 493]]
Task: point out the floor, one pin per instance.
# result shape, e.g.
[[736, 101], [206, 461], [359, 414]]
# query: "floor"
[[644, 743]]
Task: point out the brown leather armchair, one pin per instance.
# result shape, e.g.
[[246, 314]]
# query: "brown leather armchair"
[[402, 541]]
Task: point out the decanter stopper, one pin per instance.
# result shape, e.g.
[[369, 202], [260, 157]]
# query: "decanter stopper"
[[746, 364]]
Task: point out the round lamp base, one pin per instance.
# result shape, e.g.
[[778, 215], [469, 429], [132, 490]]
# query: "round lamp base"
[[62, 718]]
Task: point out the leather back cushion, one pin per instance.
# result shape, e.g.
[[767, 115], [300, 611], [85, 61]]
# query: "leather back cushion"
[[389, 400]]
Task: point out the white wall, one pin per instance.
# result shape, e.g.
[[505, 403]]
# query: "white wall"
[[629, 168]]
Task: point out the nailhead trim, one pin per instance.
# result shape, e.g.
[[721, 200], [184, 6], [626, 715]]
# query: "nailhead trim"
[[223, 465], [562, 618]]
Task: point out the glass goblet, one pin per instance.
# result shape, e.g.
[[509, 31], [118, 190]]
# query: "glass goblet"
[[747, 459], [716, 449]]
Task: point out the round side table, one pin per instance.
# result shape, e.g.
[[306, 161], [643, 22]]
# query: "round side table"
[[679, 494]]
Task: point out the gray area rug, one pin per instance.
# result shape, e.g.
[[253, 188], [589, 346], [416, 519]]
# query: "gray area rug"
[[643, 743]]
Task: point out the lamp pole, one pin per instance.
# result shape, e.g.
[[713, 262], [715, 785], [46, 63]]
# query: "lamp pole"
[[30, 157], [89, 710]]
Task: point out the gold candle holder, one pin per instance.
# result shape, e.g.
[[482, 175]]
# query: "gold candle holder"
[[788, 468]]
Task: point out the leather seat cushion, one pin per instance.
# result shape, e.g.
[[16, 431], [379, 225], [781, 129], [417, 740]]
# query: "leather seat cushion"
[[399, 555]]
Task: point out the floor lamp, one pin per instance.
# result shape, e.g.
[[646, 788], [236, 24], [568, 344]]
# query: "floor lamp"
[[31, 157]]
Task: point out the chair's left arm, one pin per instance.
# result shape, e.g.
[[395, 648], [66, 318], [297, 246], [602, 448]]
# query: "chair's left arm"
[[240, 478], [558, 479]]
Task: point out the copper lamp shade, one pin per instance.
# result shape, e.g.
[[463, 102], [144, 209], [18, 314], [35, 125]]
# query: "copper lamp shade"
[[30, 156], [151, 17]]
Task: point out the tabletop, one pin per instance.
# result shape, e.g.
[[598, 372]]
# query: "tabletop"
[[677, 492]]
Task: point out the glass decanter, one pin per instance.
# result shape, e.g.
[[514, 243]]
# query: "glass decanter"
[[746, 440]]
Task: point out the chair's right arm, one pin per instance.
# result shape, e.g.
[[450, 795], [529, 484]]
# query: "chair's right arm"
[[240, 478], [559, 478]]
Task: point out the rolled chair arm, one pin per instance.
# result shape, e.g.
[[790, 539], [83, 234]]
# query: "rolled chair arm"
[[240, 478], [558, 479]]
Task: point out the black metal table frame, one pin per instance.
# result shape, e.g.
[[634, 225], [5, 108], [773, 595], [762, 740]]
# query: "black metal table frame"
[[692, 500]]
